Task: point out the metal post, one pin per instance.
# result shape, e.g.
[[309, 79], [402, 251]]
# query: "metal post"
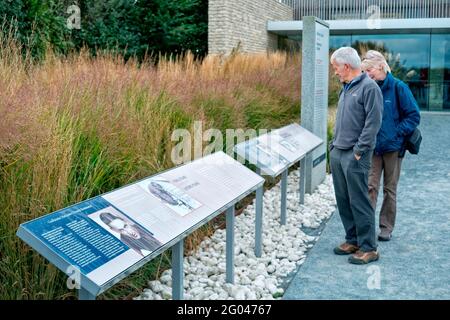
[[83, 294], [230, 245], [177, 270], [283, 195], [258, 222], [302, 172]]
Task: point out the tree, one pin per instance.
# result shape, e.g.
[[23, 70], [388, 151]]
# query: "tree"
[[109, 25], [37, 25], [174, 26], [129, 27]]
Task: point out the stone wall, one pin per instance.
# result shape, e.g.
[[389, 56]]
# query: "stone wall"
[[243, 23]]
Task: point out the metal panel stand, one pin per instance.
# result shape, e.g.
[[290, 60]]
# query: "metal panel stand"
[[230, 245], [177, 270], [259, 222], [302, 172], [83, 294], [283, 196]]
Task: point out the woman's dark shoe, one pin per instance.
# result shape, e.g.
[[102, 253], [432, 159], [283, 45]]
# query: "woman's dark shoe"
[[384, 236]]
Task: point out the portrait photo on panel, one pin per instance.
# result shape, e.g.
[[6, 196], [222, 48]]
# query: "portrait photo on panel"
[[130, 233]]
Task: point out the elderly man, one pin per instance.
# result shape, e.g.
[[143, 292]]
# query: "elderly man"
[[358, 120]]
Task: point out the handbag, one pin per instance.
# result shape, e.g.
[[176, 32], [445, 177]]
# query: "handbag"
[[412, 141]]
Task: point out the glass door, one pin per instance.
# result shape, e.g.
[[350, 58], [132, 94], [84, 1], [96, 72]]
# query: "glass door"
[[439, 99]]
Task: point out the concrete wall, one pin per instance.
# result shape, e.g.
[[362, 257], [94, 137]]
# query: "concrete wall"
[[244, 23]]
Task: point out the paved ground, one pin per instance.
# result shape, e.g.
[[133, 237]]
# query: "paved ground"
[[415, 264]]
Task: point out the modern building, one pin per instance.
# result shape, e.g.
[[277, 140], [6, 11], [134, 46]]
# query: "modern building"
[[415, 34]]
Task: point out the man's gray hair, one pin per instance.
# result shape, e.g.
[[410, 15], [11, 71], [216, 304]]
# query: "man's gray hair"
[[346, 55]]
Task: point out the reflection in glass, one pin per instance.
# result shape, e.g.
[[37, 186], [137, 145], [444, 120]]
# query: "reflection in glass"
[[420, 60], [408, 56], [440, 72], [339, 41]]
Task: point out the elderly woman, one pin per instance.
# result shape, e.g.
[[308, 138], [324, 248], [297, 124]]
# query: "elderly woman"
[[400, 117]]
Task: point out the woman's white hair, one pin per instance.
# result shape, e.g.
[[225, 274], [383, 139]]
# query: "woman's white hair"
[[375, 59], [346, 55]]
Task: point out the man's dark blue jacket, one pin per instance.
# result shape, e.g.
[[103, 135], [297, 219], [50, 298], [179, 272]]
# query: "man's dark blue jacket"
[[400, 115]]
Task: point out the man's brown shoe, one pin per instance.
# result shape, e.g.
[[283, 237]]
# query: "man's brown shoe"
[[361, 257], [346, 248]]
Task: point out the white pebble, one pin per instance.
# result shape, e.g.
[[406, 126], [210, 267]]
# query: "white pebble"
[[284, 249]]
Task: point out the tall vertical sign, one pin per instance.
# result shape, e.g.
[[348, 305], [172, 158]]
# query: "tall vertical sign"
[[314, 104]]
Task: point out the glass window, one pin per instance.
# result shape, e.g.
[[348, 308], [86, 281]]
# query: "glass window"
[[408, 57], [420, 60], [339, 41], [440, 72]]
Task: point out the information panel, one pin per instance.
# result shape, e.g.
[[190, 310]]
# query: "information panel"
[[106, 235], [314, 104], [279, 149]]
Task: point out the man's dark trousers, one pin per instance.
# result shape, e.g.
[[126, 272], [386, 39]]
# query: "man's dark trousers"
[[350, 179]]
